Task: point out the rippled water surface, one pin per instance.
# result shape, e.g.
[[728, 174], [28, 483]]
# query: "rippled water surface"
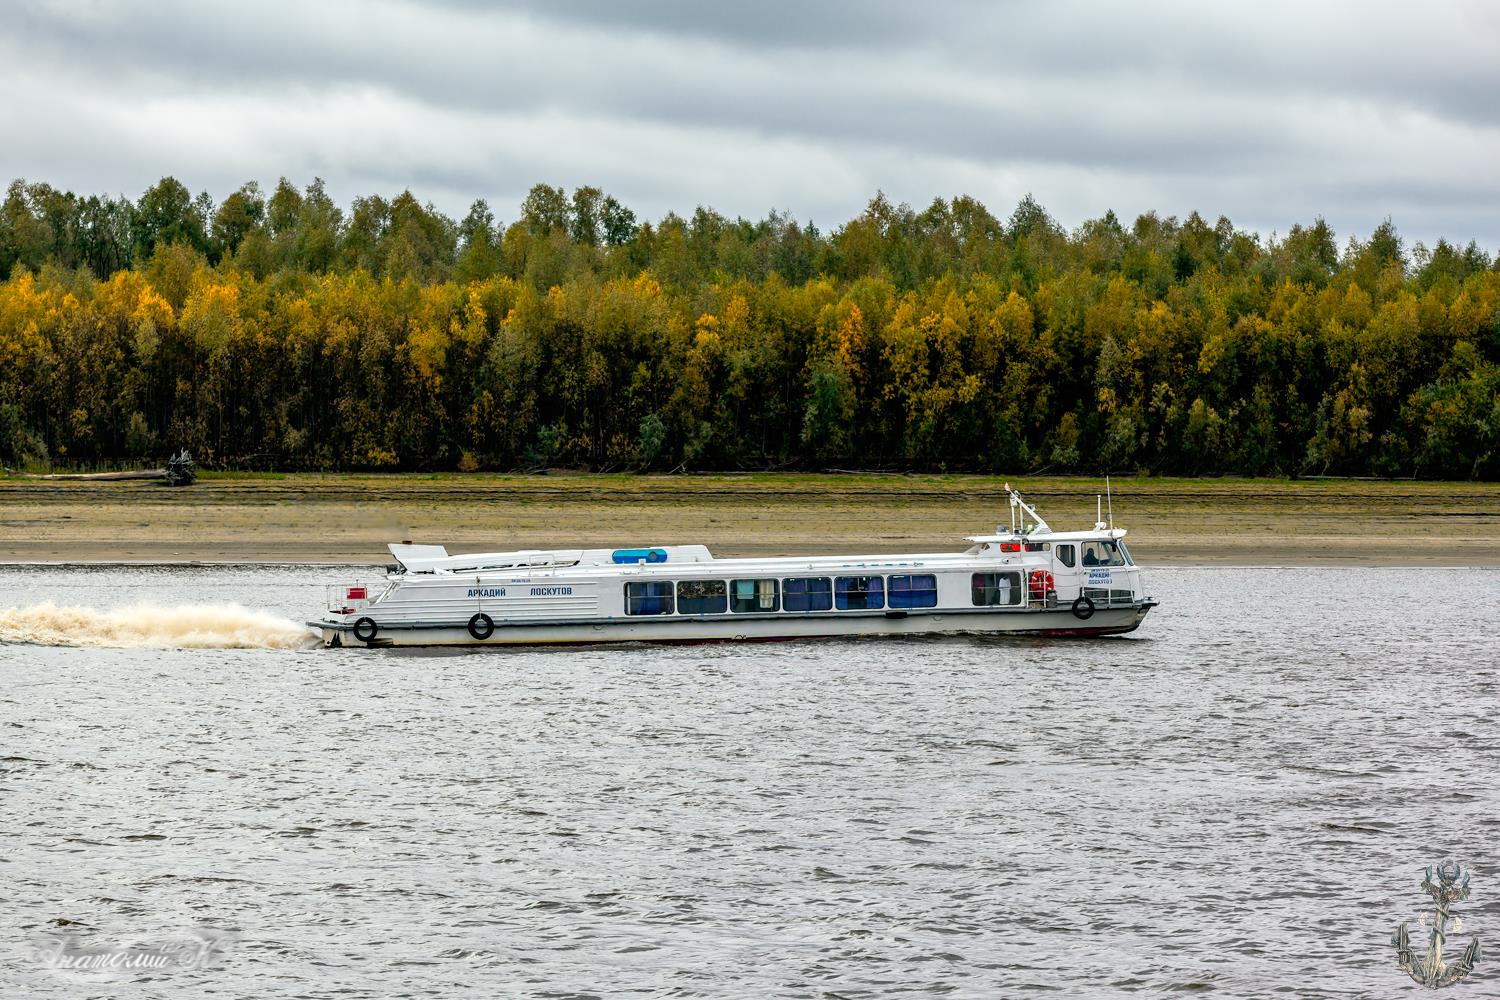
[[1236, 800]]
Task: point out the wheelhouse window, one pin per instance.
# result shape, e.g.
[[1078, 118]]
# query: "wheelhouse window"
[[701, 597], [996, 589], [919, 591], [1105, 553], [651, 598], [807, 594], [858, 593], [1066, 555], [754, 595]]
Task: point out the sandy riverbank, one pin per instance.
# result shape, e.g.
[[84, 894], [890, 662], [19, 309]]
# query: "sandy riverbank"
[[350, 518]]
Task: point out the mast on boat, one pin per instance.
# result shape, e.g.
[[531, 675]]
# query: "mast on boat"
[[1019, 511]]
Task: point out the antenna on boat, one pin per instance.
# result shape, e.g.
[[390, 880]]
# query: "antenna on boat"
[[1110, 498]]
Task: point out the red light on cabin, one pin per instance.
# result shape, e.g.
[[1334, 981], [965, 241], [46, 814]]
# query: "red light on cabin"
[[357, 594], [1010, 546]]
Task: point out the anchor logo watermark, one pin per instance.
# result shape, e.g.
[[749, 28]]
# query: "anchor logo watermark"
[[1451, 885]]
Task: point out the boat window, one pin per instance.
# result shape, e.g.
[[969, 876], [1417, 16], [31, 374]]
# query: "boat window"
[[813, 593], [753, 595], [1038, 546], [858, 593], [913, 591], [1129, 559], [992, 589], [654, 598], [1106, 553], [1066, 555], [701, 597]]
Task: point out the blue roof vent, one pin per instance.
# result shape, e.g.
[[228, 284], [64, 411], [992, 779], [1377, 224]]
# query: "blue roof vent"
[[624, 556]]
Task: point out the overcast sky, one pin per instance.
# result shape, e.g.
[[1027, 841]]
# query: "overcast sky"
[[1270, 112]]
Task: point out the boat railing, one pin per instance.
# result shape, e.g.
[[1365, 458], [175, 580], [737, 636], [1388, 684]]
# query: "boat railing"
[[1103, 597], [346, 598], [1111, 597]]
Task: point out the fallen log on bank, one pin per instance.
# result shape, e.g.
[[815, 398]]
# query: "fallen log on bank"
[[179, 472], [95, 476]]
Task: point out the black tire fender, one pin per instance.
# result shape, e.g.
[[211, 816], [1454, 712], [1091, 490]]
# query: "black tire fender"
[[365, 629], [481, 626], [1083, 608]]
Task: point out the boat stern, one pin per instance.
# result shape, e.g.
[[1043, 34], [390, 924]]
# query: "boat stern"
[[345, 606]]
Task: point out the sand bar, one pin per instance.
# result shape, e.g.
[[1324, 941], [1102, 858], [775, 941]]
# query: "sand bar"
[[327, 518]]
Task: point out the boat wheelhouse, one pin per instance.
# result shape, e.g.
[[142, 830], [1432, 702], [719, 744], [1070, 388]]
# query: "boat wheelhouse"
[[1022, 580]]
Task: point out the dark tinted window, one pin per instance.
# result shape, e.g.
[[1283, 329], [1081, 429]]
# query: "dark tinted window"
[[918, 591], [654, 598], [1105, 553], [753, 595], [1066, 555], [807, 594], [857, 593], [701, 597], [991, 589]]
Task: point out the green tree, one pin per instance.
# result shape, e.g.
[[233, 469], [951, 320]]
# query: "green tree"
[[236, 218], [167, 213], [618, 222], [479, 256], [585, 219], [545, 210]]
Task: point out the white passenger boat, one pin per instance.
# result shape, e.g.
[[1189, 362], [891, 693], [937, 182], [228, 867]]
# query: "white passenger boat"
[[1025, 579]]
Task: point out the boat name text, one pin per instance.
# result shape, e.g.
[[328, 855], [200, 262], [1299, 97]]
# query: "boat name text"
[[534, 592]]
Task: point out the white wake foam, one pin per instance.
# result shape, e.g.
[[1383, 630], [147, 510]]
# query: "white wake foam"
[[190, 626]]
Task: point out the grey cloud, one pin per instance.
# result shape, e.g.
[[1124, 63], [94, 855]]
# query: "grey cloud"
[[1266, 113], [791, 24], [1038, 118], [1442, 59]]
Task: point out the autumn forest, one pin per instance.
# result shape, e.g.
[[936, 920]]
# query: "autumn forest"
[[279, 330]]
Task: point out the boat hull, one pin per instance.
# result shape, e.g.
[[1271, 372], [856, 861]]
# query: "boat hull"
[[1017, 622]]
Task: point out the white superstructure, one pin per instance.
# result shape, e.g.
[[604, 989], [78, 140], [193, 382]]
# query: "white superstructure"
[[1024, 579]]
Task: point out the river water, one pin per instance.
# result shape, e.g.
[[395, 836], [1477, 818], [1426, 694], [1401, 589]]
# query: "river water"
[[1238, 800]]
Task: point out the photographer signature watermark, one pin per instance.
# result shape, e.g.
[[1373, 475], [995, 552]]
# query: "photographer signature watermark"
[[1448, 884], [74, 953]]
